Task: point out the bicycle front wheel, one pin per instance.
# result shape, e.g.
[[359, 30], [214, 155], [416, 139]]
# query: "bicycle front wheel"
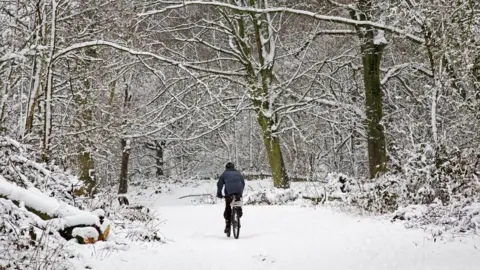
[[235, 223]]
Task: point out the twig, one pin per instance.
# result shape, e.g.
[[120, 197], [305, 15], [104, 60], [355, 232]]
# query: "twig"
[[195, 195]]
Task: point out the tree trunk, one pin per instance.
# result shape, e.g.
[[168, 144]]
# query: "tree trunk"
[[86, 166], [250, 141], [275, 158], [476, 74], [123, 187], [260, 82], [476, 83], [274, 152], [373, 43], [33, 101], [5, 88], [38, 70], [85, 159], [158, 147], [159, 157], [49, 88], [377, 157]]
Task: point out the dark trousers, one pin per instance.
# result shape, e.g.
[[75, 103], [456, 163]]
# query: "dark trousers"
[[227, 214]]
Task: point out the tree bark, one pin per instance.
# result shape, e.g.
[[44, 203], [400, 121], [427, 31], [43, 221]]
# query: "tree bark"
[[158, 147], [476, 75], [48, 114], [85, 160], [159, 157], [274, 152], [86, 165], [5, 89], [33, 101], [377, 156], [123, 187], [38, 71], [372, 50]]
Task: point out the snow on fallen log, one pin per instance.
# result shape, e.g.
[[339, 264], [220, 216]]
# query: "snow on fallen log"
[[55, 215], [34, 198], [85, 219]]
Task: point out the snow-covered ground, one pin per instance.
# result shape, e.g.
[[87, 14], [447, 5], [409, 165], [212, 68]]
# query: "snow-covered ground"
[[279, 237]]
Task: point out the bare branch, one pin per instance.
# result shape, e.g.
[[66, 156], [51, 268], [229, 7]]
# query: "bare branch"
[[139, 53], [333, 19]]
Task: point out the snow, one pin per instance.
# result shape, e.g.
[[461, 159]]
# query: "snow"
[[476, 221], [15, 55], [272, 239], [14, 192], [411, 211], [34, 198], [232, 45], [70, 221], [268, 113], [99, 212], [379, 38], [87, 232], [127, 145], [282, 237]]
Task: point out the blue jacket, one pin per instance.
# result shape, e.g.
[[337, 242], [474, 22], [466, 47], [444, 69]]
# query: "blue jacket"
[[233, 181]]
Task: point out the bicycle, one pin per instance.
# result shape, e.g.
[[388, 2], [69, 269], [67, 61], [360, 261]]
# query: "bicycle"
[[236, 204]]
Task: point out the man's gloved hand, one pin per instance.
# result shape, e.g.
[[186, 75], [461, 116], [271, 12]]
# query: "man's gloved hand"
[[219, 196]]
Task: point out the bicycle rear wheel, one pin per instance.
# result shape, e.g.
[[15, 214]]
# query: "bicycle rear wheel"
[[235, 223]]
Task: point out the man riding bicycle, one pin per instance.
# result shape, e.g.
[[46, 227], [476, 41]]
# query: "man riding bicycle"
[[234, 185]]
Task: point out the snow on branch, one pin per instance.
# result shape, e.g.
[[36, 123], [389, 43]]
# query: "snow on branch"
[[333, 32], [181, 65], [392, 72], [303, 100], [311, 38], [17, 55], [334, 19]]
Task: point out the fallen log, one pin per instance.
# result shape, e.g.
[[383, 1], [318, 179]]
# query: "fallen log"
[[54, 214]]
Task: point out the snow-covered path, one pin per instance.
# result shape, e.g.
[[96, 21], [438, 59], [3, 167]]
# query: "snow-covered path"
[[290, 237]]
